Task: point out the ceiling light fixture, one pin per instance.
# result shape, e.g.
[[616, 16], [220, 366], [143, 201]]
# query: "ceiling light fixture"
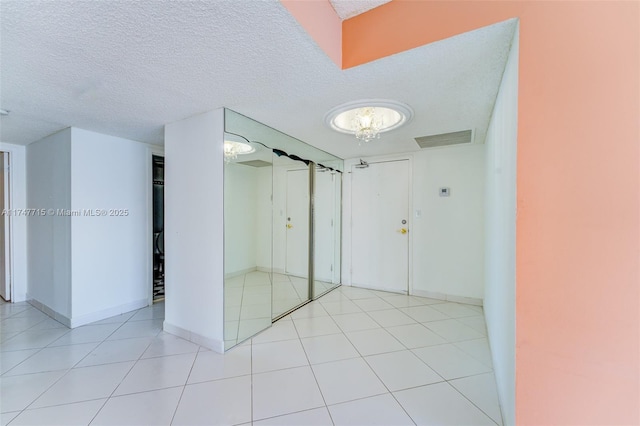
[[367, 118], [234, 148]]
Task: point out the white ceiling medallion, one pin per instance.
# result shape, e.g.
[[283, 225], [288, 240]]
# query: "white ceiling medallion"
[[367, 118], [233, 148]]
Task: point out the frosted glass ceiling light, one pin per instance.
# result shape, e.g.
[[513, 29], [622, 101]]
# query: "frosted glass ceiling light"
[[234, 148], [368, 118]]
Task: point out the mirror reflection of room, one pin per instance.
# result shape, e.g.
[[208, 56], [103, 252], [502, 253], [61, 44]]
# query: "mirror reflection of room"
[[326, 229], [290, 234], [274, 241], [247, 209]]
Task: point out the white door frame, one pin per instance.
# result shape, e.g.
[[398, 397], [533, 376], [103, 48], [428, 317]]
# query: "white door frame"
[[8, 220], [347, 213]]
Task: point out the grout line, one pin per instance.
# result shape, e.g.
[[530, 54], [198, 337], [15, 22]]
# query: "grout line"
[[473, 403], [293, 412], [131, 368], [184, 387], [314, 373], [388, 390]]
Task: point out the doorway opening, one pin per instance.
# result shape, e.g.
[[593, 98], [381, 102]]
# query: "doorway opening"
[[158, 228]]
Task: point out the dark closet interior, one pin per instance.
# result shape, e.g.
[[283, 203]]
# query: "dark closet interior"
[[158, 228]]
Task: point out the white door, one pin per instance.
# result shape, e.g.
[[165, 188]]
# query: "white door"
[[297, 223], [323, 231], [5, 262], [380, 226]]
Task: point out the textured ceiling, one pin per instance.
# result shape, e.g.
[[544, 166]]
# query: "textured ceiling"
[[127, 68], [350, 8]]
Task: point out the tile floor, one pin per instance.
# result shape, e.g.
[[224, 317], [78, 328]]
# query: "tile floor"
[[251, 300], [353, 357]]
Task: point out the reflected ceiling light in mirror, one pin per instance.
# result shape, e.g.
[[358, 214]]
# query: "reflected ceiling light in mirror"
[[367, 118], [234, 147]]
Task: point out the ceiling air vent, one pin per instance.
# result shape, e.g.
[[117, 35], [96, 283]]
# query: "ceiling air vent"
[[444, 139], [254, 163]]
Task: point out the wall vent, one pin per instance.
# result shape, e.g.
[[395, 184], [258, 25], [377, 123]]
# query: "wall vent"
[[445, 139], [255, 163]]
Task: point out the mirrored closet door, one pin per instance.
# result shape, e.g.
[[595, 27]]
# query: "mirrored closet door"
[[282, 225]]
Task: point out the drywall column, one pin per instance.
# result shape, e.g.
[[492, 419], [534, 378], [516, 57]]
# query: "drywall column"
[[49, 234], [18, 193], [500, 234], [89, 253], [110, 242], [194, 228]]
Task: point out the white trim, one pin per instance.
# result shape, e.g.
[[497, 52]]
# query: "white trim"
[[209, 343], [62, 319], [87, 318], [107, 313], [448, 297]]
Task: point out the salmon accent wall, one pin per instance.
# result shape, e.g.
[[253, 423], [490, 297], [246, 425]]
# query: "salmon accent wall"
[[322, 23], [402, 25], [578, 192]]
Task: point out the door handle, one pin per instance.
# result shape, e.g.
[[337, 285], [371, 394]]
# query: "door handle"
[[289, 226], [403, 230]]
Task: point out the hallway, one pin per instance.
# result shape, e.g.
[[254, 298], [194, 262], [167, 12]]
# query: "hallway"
[[353, 357]]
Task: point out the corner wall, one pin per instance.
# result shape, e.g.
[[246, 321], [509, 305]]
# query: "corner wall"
[[194, 229], [83, 267], [110, 254], [49, 236], [500, 232]]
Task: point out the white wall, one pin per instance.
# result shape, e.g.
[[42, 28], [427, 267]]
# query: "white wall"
[[446, 241], [448, 237], [194, 247], [240, 220], [110, 254], [18, 194], [500, 226], [49, 237]]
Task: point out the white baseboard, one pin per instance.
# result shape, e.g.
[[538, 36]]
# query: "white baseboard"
[[19, 297], [86, 318], [62, 319], [79, 320], [213, 344], [447, 297]]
